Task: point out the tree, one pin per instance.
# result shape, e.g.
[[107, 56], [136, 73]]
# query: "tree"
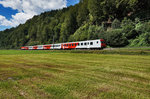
[[82, 12], [129, 28], [96, 13], [69, 25]]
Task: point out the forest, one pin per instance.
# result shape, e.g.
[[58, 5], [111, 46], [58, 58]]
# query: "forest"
[[120, 23]]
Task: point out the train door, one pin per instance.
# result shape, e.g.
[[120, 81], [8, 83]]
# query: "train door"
[[88, 45]]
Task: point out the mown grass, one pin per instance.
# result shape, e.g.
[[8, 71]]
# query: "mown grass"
[[121, 51], [75, 74]]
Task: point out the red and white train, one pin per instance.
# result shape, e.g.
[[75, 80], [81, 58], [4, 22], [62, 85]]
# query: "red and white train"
[[89, 44]]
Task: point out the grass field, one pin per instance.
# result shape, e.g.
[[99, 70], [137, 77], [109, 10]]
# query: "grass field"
[[119, 74]]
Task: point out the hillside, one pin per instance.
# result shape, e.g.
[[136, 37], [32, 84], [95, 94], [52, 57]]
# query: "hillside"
[[119, 22]]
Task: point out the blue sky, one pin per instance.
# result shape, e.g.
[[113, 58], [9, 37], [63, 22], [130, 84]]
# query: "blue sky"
[[13, 13], [72, 2]]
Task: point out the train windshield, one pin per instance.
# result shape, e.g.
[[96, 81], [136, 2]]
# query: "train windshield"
[[103, 42]]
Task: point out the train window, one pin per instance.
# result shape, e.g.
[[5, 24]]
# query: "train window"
[[81, 43], [78, 44], [91, 43], [84, 43], [88, 43], [97, 42], [69, 44], [72, 44], [56, 45], [75, 44], [39, 46]]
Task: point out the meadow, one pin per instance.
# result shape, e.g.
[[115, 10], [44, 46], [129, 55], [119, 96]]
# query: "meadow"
[[106, 74]]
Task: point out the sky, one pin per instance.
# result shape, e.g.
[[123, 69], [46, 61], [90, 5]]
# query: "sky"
[[15, 12]]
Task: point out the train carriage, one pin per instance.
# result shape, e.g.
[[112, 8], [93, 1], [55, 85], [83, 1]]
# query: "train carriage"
[[89, 44]]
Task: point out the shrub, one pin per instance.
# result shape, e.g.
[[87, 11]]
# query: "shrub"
[[131, 34], [143, 27], [142, 40], [115, 38]]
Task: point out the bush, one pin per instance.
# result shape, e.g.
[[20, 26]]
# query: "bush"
[[142, 40], [132, 34], [127, 24], [128, 28], [115, 38], [143, 27]]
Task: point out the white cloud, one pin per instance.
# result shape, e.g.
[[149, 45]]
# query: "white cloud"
[[1, 18], [27, 9], [3, 21]]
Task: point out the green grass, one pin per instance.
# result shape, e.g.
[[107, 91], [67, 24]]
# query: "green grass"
[[111, 74]]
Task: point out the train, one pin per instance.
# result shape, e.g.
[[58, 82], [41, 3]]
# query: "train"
[[88, 44]]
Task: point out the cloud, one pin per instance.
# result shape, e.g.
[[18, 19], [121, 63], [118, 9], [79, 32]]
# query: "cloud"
[[27, 9], [3, 21], [15, 20]]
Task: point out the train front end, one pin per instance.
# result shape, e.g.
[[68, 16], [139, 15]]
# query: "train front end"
[[103, 44]]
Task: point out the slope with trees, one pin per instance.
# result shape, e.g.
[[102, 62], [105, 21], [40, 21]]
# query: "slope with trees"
[[119, 22]]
